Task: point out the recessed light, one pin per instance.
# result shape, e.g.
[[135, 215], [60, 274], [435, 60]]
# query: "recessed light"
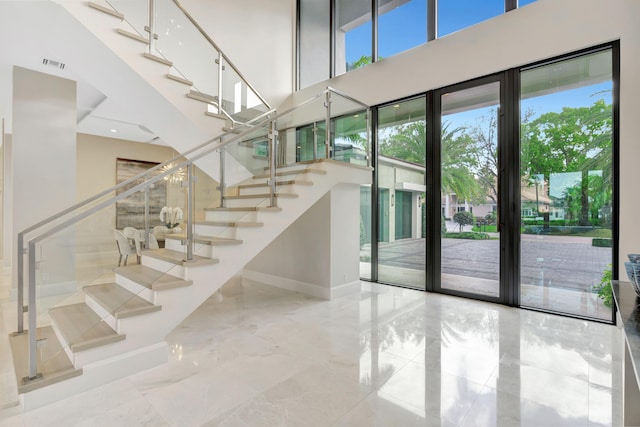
[[113, 130], [396, 106]]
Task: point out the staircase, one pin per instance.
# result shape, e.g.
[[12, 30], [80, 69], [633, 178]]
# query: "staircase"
[[116, 327], [119, 328]]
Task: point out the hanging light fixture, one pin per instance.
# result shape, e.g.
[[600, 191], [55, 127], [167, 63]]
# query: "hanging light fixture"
[[175, 177]]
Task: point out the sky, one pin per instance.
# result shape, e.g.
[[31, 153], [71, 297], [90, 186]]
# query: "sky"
[[405, 27]]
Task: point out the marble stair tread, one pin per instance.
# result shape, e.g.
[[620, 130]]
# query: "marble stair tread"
[[118, 301], [233, 224], [132, 35], [53, 363], [205, 240], [245, 209], [293, 172], [106, 10], [158, 59], [264, 184], [262, 196], [82, 328], [179, 258], [151, 278]]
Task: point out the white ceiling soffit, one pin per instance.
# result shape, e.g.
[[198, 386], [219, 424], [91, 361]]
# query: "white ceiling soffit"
[[40, 50]]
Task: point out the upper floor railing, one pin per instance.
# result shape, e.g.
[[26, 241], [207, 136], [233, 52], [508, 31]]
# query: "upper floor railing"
[[173, 34]]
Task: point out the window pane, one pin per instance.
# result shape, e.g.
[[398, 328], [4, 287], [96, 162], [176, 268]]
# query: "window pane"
[[566, 184], [470, 244], [401, 27], [401, 197], [353, 34], [454, 15], [314, 42], [524, 2]]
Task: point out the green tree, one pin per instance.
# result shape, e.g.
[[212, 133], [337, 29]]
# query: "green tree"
[[573, 140], [463, 218], [407, 142]]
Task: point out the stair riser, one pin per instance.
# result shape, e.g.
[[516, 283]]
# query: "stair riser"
[[104, 314], [67, 350], [165, 266], [200, 249], [247, 203], [135, 288], [230, 216], [283, 189], [218, 231]]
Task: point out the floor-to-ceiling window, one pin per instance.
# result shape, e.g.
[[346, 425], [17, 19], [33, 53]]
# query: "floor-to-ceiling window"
[[352, 35], [566, 183], [454, 15], [401, 26], [401, 137], [521, 175], [337, 36]]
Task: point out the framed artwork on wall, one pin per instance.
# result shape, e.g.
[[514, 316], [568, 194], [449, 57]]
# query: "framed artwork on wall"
[[130, 211]]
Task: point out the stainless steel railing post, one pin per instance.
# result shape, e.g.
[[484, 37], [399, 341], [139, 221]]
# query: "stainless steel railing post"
[[152, 26], [190, 205], [273, 142], [33, 342], [220, 70], [222, 180], [20, 283], [327, 141]]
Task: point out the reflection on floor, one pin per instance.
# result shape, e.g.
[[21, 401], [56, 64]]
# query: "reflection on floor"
[[385, 356]]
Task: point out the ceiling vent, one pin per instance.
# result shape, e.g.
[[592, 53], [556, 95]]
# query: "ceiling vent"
[[52, 63]]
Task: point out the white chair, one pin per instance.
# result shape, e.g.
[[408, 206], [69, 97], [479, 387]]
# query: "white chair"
[[124, 247], [130, 232]]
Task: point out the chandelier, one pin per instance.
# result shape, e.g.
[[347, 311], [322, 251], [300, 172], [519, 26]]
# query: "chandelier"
[[175, 177]]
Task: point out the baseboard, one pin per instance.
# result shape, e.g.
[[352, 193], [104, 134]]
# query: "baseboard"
[[305, 288], [99, 373]]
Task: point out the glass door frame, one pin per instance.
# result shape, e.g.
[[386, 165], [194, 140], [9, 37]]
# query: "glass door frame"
[[506, 208]]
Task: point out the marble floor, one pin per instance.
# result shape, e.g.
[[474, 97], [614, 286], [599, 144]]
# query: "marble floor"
[[261, 356]]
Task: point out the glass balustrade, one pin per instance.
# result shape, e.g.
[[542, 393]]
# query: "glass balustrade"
[[195, 57]]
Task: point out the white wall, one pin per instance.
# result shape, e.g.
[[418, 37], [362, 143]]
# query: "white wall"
[[538, 31], [319, 254], [257, 36], [44, 159]]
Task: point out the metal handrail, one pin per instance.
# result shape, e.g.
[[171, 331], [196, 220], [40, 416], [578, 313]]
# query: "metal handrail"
[[215, 46]]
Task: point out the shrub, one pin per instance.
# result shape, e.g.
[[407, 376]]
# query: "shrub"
[[604, 290], [463, 218], [601, 243], [470, 235]]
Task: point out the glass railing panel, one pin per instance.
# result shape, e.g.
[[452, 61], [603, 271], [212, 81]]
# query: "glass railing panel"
[[302, 132], [240, 101], [248, 156], [76, 265], [136, 14], [349, 130], [179, 41]]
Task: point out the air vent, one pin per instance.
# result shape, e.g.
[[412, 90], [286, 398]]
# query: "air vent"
[[52, 63]]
